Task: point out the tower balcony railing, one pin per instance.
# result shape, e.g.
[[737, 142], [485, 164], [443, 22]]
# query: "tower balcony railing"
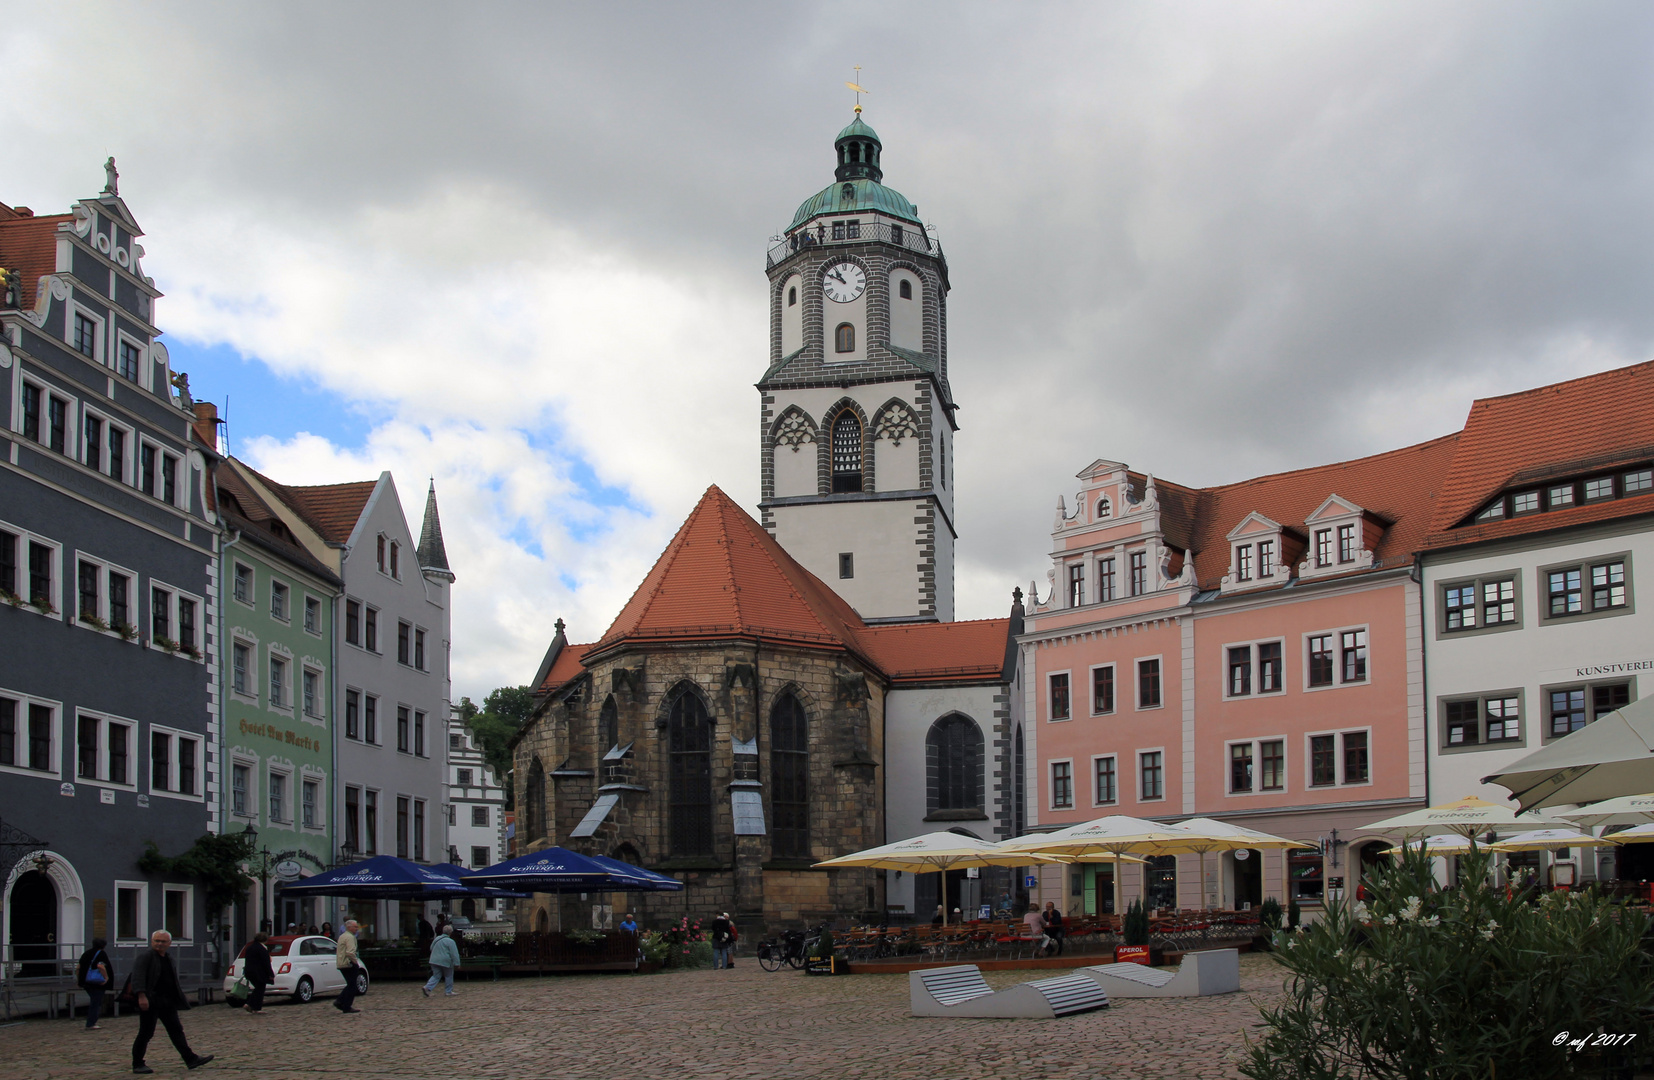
[[851, 231]]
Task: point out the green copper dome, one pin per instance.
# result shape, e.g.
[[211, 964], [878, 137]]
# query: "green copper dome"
[[857, 186], [854, 196]]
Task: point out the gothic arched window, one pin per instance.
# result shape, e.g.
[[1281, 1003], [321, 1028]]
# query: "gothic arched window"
[[534, 801], [953, 764], [608, 727], [847, 452], [689, 757], [844, 338], [906, 289], [789, 779], [792, 295]]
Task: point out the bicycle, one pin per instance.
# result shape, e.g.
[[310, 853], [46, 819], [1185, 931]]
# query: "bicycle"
[[788, 951]]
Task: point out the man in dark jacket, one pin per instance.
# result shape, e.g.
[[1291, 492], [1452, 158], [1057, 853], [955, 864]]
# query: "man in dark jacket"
[[155, 985], [256, 969]]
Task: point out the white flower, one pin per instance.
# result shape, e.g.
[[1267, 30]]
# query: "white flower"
[[1410, 910], [1488, 934], [1492, 925], [1339, 952], [1388, 920], [1432, 922], [1360, 910]]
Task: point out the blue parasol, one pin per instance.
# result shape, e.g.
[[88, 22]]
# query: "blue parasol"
[[556, 869], [383, 877]]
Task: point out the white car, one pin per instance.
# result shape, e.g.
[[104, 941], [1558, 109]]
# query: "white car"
[[305, 965]]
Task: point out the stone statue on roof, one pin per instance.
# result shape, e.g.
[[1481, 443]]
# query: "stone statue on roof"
[[112, 178]]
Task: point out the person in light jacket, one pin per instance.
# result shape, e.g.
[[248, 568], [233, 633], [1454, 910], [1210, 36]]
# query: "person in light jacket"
[[444, 959], [345, 959]]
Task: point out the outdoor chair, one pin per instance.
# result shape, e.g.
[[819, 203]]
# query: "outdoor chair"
[[961, 991]]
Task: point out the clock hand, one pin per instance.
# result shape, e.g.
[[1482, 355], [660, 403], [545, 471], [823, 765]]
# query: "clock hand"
[[838, 277]]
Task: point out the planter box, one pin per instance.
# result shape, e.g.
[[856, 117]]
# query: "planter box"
[[1131, 954]]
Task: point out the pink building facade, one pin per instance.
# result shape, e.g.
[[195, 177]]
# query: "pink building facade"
[[1249, 653]]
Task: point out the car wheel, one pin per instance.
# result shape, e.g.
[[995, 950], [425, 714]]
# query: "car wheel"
[[361, 983], [304, 991]]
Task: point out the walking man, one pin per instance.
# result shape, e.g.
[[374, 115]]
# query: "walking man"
[[444, 959], [346, 960], [256, 969], [155, 984]]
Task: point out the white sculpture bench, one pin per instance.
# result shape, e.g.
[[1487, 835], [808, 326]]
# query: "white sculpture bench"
[[961, 991], [1200, 975]]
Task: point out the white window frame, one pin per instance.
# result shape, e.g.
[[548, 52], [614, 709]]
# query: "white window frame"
[[142, 889], [319, 697], [174, 764], [1338, 734], [308, 599], [287, 794], [1338, 683], [1251, 672], [188, 892], [145, 375], [55, 755], [1051, 783], [285, 591], [1228, 776], [252, 584], [1137, 761], [239, 641], [1137, 683], [100, 342], [1095, 800], [173, 608], [309, 774], [160, 448], [1049, 717], [129, 465], [1091, 688], [105, 722], [1286, 763], [250, 763], [286, 706], [420, 646], [55, 592], [89, 412]]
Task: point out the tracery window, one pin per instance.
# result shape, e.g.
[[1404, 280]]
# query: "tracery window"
[[847, 448], [689, 756], [953, 752], [790, 779]]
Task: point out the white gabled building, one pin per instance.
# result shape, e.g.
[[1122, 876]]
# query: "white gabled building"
[[476, 812], [1532, 628]]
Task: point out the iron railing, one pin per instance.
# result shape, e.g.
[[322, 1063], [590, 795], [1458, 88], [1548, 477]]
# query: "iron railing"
[[46, 973], [850, 230]]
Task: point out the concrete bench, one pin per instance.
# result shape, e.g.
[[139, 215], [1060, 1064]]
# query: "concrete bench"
[[961, 991], [1202, 974]]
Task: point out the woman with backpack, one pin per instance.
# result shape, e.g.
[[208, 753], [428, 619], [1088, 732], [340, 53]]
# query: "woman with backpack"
[[92, 974]]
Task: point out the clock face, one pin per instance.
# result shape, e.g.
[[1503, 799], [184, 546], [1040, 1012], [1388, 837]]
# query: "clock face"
[[844, 282]]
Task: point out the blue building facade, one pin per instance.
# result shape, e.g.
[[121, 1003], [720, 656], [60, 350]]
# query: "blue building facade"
[[108, 597]]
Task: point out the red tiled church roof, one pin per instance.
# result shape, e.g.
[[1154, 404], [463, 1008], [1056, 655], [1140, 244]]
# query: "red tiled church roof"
[[1399, 486], [28, 245], [1592, 423], [935, 652], [722, 575]]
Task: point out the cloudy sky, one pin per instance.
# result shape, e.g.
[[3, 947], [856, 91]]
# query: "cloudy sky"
[[520, 248]]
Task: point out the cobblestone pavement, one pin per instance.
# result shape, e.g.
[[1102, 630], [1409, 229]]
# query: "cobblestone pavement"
[[701, 1025]]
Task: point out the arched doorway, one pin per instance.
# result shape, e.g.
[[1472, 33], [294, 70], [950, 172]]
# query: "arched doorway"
[[468, 908], [542, 921], [34, 929]]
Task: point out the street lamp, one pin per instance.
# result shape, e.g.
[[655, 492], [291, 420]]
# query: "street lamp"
[[263, 873]]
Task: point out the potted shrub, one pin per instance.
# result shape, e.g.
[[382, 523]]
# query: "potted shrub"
[[94, 621], [1135, 933], [166, 643], [43, 605]]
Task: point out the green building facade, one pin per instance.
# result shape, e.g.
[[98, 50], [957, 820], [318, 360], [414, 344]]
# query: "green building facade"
[[277, 654]]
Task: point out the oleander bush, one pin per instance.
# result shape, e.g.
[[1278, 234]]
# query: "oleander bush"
[[1448, 982]]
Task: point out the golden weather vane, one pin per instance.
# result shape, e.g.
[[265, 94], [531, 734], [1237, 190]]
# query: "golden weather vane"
[[860, 90]]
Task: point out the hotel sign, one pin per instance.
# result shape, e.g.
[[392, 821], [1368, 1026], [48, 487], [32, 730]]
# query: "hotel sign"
[[284, 736]]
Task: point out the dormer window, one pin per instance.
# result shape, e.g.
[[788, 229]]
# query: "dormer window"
[[1346, 543], [1524, 502], [1323, 547], [1243, 562], [1103, 508], [1266, 558], [1560, 496]]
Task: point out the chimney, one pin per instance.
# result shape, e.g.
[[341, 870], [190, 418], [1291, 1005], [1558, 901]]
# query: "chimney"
[[206, 424]]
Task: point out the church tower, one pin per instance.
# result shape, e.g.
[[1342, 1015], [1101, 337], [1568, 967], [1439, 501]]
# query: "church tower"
[[857, 417]]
